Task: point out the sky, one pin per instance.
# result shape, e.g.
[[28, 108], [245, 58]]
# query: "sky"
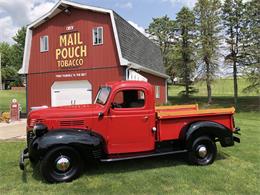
[[139, 13]]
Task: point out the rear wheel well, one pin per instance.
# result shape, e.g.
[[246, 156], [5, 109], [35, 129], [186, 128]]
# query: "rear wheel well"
[[200, 132], [214, 130]]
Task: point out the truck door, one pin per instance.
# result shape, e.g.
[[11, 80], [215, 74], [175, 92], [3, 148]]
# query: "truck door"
[[130, 122]]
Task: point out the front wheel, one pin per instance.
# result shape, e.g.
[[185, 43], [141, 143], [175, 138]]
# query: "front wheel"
[[61, 164], [203, 151]]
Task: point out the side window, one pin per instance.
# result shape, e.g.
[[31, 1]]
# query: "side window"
[[44, 43], [157, 92], [129, 99], [98, 36]]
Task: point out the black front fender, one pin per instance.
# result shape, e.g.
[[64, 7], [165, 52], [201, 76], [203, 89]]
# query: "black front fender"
[[88, 143], [209, 128]]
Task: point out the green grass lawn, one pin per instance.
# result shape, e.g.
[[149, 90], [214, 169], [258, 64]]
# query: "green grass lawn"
[[220, 87], [6, 97], [236, 171], [222, 92]]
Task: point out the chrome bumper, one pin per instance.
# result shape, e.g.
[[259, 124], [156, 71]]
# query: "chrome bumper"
[[237, 131], [24, 155]]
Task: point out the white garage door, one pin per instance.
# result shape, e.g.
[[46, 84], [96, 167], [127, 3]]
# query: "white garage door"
[[71, 93]]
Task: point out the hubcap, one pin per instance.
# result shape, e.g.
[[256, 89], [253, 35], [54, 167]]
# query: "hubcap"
[[63, 163], [202, 151]]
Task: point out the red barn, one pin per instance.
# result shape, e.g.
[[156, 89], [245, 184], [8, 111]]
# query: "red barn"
[[74, 48]]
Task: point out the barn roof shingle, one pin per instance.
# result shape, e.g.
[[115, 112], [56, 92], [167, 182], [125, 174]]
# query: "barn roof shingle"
[[137, 48]]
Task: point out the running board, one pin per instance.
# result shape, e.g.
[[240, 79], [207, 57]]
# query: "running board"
[[142, 156]]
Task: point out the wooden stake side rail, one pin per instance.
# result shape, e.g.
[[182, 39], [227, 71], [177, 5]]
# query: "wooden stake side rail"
[[191, 113], [176, 108]]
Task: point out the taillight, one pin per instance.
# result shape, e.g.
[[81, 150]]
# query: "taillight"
[[233, 122]]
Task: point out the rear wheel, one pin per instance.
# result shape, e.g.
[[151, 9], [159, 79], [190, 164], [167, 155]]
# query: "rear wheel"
[[203, 151], [61, 164]]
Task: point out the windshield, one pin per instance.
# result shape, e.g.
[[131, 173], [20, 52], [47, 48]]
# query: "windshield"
[[102, 95]]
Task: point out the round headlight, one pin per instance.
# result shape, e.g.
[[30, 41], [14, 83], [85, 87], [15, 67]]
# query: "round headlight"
[[39, 129]]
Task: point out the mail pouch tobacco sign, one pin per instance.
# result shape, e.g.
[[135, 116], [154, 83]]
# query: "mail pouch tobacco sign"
[[71, 51]]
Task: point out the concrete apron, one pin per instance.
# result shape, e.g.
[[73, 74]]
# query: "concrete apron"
[[13, 130]]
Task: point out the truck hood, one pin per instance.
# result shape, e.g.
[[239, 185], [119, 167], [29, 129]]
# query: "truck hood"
[[73, 111]]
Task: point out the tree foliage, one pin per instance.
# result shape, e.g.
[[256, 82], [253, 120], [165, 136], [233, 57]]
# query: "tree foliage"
[[233, 23], [251, 45], [19, 39], [208, 20], [161, 32], [7, 63], [12, 57], [184, 46], [190, 49]]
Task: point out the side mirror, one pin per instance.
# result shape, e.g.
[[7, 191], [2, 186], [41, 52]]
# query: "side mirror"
[[112, 105], [100, 114]]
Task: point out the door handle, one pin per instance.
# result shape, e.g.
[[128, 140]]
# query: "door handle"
[[146, 117]]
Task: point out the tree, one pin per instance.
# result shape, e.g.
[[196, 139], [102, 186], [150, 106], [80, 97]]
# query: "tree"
[[232, 16], [7, 66], [161, 31], [19, 39], [185, 23], [251, 45], [12, 57], [208, 18]]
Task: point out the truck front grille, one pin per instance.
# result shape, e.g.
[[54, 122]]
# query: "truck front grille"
[[30, 136], [78, 123]]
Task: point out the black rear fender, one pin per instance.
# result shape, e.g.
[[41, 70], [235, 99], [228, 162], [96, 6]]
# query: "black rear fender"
[[209, 128], [89, 144]]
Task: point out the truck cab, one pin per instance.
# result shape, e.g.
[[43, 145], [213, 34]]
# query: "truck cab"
[[123, 123], [130, 112]]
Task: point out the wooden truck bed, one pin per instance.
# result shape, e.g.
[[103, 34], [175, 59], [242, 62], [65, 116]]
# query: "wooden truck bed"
[[192, 112], [171, 121]]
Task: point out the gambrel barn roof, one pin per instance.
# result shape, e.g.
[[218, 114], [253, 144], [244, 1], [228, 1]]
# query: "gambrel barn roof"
[[137, 48], [134, 49]]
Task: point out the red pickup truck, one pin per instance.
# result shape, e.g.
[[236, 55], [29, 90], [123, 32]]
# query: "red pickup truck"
[[123, 123]]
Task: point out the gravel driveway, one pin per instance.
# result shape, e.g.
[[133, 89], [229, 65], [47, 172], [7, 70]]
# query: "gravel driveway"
[[13, 130]]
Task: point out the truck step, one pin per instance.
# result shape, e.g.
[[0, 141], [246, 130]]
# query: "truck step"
[[142, 156]]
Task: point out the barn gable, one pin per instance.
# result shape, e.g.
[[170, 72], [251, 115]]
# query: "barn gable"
[[134, 49]]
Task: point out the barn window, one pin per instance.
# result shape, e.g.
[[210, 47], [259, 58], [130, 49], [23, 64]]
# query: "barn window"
[[98, 36], [157, 92], [44, 44]]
